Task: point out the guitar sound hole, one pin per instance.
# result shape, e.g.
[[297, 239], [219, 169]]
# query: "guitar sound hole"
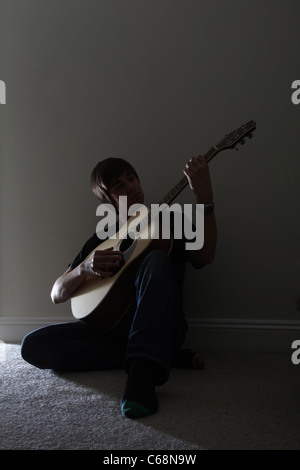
[[126, 243]]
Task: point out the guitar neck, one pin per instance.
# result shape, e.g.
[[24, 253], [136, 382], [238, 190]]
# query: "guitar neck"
[[173, 193], [228, 142]]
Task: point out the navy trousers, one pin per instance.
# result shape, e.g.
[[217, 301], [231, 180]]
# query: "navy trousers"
[[154, 328]]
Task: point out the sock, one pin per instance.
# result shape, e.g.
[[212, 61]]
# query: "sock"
[[139, 398]]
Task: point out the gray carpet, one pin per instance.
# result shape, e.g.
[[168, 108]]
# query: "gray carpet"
[[240, 401]]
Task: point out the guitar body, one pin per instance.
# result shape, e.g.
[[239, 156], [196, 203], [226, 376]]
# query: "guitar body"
[[104, 301]]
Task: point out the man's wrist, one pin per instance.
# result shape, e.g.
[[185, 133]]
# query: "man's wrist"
[[209, 205], [207, 198], [209, 208]]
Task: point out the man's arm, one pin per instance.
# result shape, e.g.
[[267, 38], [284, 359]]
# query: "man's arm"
[[197, 173], [207, 253], [103, 263], [67, 284]]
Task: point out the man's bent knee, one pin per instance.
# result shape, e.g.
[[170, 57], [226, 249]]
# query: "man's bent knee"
[[29, 349], [156, 264]]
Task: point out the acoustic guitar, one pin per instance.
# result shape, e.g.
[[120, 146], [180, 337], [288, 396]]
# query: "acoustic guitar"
[[104, 301]]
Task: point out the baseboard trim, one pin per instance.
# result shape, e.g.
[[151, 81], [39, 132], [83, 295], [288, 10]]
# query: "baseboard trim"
[[13, 329], [248, 335], [244, 324], [204, 334]]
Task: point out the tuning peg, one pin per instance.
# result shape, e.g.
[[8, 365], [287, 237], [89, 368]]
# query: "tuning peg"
[[235, 148], [243, 142], [250, 135]]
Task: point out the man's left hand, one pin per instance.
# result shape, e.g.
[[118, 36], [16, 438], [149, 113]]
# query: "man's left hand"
[[197, 173]]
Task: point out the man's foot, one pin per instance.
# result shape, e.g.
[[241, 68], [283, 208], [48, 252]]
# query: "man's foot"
[[188, 359], [139, 398], [134, 409]]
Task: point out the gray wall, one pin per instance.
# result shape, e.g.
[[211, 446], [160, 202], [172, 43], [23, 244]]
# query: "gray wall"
[[155, 82]]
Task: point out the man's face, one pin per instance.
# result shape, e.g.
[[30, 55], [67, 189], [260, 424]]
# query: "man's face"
[[128, 185]]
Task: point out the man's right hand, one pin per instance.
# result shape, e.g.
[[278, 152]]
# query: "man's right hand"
[[103, 263]]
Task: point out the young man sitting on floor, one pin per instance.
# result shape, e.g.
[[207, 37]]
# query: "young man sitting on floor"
[[148, 339]]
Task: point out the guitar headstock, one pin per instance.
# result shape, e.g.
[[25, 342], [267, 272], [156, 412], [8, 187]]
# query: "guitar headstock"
[[237, 136]]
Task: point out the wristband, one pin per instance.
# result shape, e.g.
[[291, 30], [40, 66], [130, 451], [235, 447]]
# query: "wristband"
[[209, 208]]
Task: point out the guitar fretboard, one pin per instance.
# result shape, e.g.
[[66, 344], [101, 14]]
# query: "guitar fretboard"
[[173, 193]]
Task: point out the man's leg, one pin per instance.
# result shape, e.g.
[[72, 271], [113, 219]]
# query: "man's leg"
[[158, 326], [73, 347]]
